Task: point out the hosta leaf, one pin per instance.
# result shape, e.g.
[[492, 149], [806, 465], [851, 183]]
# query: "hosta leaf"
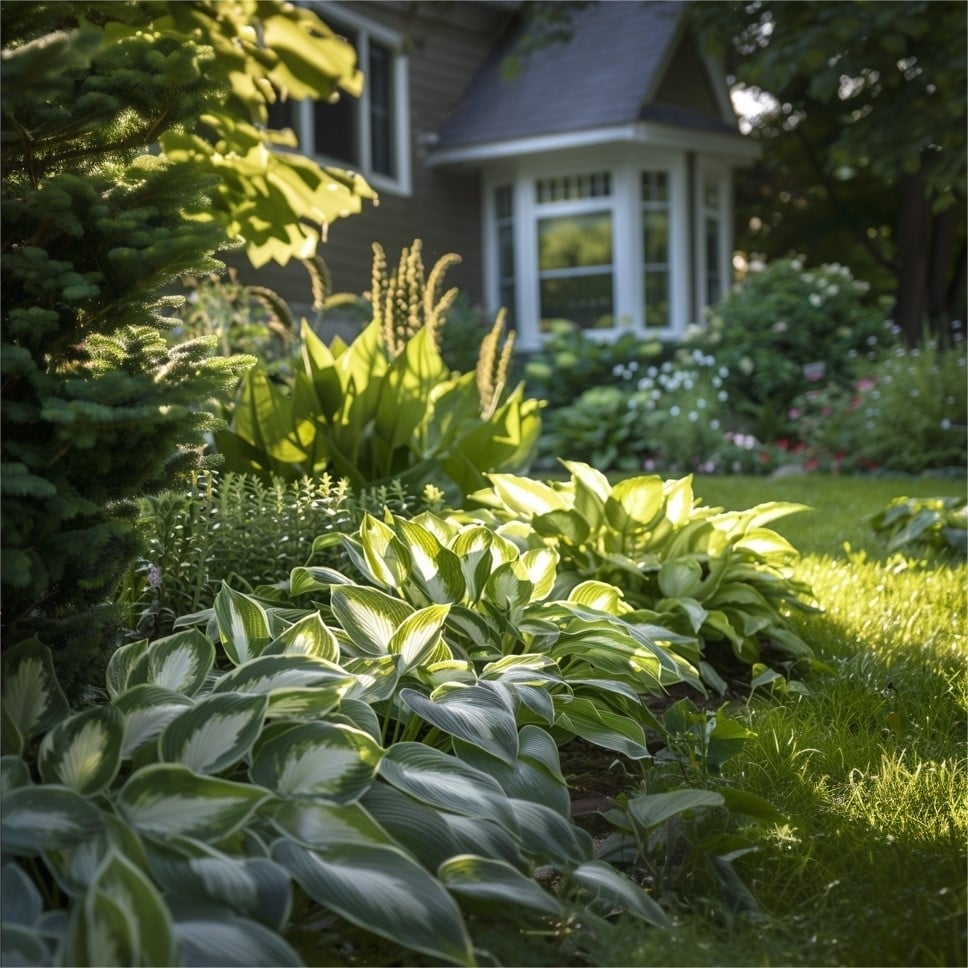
[[565, 523], [387, 558], [168, 798], [444, 781], [44, 816], [11, 739], [122, 663], [83, 752], [500, 887], [652, 809], [23, 946], [14, 773], [766, 544], [541, 566], [318, 824], [119, 886], [680, 578], [592, 722], [524, 496], [178, 662], [436, 570], [612, 889], [210, 935], [418, 635], [549, 836], [318, 760], [269, 673], [474, 714], [20, 901], [679, 501], [242, 623], [473, 549], [147, 709], [489, 838], [382, 890], [634, 504], [369, 616], [308, 636], [305, 580], [375, 678], [32, 698], [506, 589], [215, 733], [599, 595]]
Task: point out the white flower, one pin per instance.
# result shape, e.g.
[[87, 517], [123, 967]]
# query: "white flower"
[[815, 299], [674, 411]]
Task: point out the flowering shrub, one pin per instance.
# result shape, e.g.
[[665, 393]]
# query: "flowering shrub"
[[786, 326]]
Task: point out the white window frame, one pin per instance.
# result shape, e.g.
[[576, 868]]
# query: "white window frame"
[[366, 30], [706, 171]]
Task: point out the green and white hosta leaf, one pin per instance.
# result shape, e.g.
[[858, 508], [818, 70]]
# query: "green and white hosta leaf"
[[243, 624], [14, 773], [36, 818], [83, 752], [549, 837], [269, 673], [215, 733], [20, 945], [147, 709], [489, 838], [473, 549], [120, 888], [20, 901], [369, 616], [474, 714], [303, 581], [653, 809], [507, 589], [32, 698], [178, 662], [541, 565], [387, 558], [355, 712], [591, 489], [418, 635], [122, 664], [612, 889], [168, 798], [375, 678], [308, 636], [318, 760], [382, 890], [210, 935], [593, 722], [444, 781], [11, 739], [435, 570], [498, 886], [318, 824]]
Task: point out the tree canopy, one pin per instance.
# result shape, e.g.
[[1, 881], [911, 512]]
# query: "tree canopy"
[[863, 124]]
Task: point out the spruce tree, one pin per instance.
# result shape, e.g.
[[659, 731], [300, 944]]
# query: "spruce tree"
[[98, 406]]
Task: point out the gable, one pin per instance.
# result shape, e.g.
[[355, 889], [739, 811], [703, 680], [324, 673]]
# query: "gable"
[[685, 83]]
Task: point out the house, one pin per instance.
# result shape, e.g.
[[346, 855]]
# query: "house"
[[594, 183]]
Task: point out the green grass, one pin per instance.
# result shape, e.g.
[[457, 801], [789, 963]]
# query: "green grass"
[[869, 768]]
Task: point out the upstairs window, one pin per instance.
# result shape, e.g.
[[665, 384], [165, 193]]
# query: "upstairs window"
[[655, 248]]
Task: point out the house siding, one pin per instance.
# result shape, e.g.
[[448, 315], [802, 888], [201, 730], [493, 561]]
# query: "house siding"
[[445, 44]]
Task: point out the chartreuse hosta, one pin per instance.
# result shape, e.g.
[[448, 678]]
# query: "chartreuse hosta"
[[385, 749], [719, 578]]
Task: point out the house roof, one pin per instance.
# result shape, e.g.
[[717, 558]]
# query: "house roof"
[[610, 71]]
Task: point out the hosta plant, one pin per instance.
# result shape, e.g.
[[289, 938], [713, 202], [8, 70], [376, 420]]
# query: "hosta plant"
[[719, 578], [926, 523]]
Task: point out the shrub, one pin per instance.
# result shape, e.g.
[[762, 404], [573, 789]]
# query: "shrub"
[[783, 325], [924, 524]]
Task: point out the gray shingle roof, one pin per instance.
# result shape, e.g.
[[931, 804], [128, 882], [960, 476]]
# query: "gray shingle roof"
[[603, 75]]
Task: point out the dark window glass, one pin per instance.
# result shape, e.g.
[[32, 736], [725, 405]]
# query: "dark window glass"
[[380, 81]]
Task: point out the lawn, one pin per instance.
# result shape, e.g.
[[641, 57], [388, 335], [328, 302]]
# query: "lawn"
[[869, 767]]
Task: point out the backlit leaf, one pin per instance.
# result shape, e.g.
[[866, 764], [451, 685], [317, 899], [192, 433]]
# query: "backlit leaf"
[[84, 752]]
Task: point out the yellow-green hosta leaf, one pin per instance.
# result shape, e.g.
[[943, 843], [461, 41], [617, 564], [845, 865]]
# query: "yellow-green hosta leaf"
[[612, 889], [475, 714], [385, 891], [168, 798], [524, 496], [387, 558], [36, 818], [326, 760], [541, 566], [418, 635], [32, 698], [147, 709], [497, 886], [507, 589], [368, 616], [679, 501], [243, 625], [215, 733], [435, 570], [178, 662], [634, 504], [308, 636], [83, 752], [680, 577]]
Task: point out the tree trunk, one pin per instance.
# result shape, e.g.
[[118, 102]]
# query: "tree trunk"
[[913, 240]]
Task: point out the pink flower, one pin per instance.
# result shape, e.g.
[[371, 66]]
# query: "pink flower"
[[794, 414]]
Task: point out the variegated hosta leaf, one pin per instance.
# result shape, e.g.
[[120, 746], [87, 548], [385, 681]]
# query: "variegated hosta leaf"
[[318, 824], [680, 577], [268, 673], [387, 558], [531, 684], [474, 714], [308, 636], [317, 760], [382, 890], [242, 623], [611, 889], [524, 496], [212, 935], [435, 570], [35, 818], [20, 945], [121, 664], [601, 596], [147, 709], [375, 678], [302, 581], [593, 722], [32, 698], [355, 712], [168, 798], [507, 589], [20, 901], [418, 634], [541, 566], [550, 837], [369, 616], [14, 773], [215, 733], [633, 505], [179, 662], [651, 810], [252, 887], [498, 886], [126, 921], [83, 752], [445, 782]]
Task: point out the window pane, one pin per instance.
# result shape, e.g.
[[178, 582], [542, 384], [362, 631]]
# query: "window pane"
[[585, 300], [336, 126], [714, 286], [655, 186], [569, 241], [569, 187], [503, 201], [380, 81], [656, 298], [655, 237]]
